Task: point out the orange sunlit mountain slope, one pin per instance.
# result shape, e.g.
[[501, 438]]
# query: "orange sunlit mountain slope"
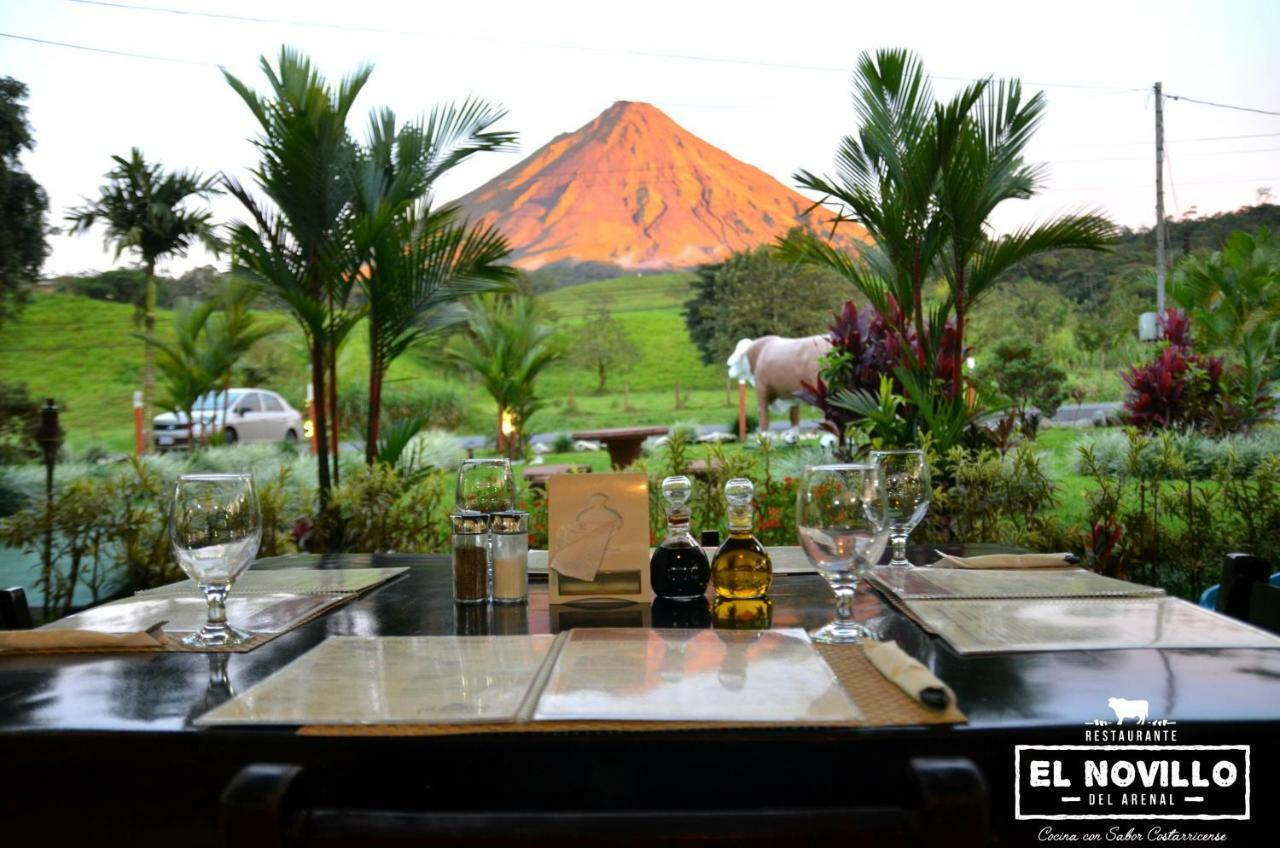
[[635, 189]]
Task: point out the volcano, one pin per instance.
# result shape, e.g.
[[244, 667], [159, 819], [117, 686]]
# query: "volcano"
[[635, 189]]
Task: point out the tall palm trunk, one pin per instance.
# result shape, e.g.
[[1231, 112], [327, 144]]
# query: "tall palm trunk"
[[375, 397], [320, 422], [958, 352], [149, 366]]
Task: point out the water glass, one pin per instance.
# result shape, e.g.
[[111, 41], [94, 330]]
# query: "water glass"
[[840, 513], [904, 475], [486, 485], [215, 527]]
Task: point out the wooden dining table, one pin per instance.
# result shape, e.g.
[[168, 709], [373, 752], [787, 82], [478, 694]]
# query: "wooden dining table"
[[101, 748]]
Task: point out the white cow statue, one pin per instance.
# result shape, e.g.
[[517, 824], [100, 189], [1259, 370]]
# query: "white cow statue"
[[777, 366]]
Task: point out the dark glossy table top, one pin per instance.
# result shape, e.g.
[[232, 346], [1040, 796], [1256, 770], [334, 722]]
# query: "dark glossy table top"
[[164, 692]]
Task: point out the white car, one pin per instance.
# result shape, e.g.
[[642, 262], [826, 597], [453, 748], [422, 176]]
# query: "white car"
[[253, 415]]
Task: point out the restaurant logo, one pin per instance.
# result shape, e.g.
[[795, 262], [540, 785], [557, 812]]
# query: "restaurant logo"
[[1151, 777]]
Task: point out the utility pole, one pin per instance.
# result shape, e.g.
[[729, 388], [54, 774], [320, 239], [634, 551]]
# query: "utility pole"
[[1159, 200]]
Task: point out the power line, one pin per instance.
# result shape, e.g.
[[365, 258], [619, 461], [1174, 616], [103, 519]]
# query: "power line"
[[591, 48], [107, 50], [1221, 105]]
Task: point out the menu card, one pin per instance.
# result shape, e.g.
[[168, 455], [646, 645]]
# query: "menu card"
[[296, 581], [693, 675], [395, 680], [962, 584], [1072, 624], [181, 614]]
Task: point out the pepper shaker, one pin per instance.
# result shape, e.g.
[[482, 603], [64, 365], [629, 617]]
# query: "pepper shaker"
[[470, 557]]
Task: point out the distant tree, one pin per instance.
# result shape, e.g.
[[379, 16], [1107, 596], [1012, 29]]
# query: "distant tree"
[[754, 294], [233, 331], [146, 210], [23, 204], [508, 344], [1027, 309], [19, 423], [600, 344], [1027, 377], [189, 368]]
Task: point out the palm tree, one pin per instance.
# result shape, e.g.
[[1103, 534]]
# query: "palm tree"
[[188, 367], [145, 209], [923, 178], [415, 262], [507, 345], [293, 247], [233, 331]]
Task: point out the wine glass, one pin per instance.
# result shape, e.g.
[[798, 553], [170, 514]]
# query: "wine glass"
[[486, 485], [840, 513], [215, 528], [904, 475]]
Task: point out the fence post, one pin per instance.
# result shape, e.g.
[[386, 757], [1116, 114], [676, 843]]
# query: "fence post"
[[139, 435]]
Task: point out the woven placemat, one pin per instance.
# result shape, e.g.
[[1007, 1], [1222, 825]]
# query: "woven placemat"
[[175, 645], [882, 704]]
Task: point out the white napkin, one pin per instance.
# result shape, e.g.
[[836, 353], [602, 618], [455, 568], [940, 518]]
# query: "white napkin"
[[908, 674], [1009, 560]]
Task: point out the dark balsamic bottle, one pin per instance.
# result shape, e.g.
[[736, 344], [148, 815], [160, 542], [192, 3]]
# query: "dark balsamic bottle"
[[679, 569]]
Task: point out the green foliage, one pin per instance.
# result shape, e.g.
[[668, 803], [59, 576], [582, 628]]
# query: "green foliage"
[[507, 345], [1232, 297], [1026, 376], [188, 368], [19, 422], [924, 178], [986, 496], [23, 204], [601, 345], [1158, 525], [1087, 277], [753, 294], [108, 534], [381, 512], [563, 443], [1109, 453]]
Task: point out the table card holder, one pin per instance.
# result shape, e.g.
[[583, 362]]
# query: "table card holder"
[[598, 538]]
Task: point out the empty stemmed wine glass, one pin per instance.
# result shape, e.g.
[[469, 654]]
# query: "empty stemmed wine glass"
[[904, 476], [485, 485], [214, 528], [840, 513]]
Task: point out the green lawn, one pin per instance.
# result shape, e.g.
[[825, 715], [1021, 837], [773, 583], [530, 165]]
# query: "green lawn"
[[82, 352]]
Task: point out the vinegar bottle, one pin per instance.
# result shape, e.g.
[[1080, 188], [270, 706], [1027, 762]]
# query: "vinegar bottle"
[[678, 570], [742, 568]]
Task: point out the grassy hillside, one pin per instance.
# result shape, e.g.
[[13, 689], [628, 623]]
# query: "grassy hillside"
[[82, 352]]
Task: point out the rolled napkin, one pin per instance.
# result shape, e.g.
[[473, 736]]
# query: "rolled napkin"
[[908, 674], [1010, 560], [34, 641]]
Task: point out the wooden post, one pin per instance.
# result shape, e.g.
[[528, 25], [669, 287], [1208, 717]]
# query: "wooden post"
[[679, 401], [311, 416], [139, 427], [742, 410]]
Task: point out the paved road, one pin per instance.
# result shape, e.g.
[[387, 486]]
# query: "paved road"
[[1071, 414]]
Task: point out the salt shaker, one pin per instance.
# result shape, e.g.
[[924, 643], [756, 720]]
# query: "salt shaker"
[[509, 532], [470, 557]]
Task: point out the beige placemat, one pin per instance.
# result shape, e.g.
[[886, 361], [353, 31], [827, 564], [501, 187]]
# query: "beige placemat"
[[882, 703]]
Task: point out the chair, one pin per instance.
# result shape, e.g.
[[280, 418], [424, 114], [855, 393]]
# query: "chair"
[[274, 806], [14, 612], [1209, 597]]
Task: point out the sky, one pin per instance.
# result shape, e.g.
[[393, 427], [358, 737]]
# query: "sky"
[[768, 82]]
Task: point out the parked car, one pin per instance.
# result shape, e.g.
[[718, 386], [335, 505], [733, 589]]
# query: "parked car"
[[253, 415]]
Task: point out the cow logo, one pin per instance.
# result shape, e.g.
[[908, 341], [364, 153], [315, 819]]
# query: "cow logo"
[[1124, 708]]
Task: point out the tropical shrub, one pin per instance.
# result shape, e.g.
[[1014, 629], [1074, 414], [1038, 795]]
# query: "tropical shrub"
[[1026, 376], [1152, 521], [1205, 456], [1177, 387]]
